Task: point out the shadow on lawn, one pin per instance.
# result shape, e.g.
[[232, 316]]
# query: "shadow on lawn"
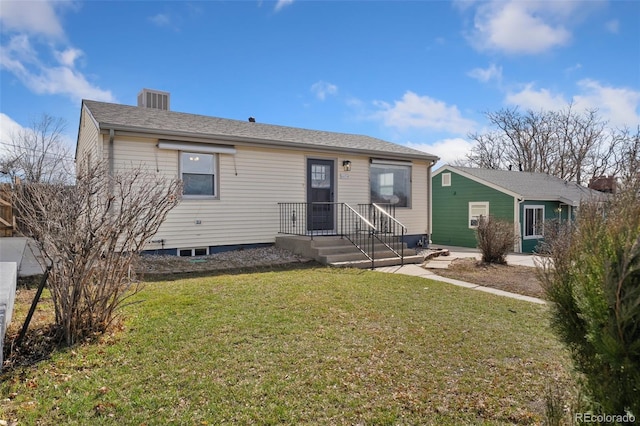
[[40, 341], [150, 276]]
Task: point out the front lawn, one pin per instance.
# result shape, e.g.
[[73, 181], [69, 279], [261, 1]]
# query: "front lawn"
[[328, 346]]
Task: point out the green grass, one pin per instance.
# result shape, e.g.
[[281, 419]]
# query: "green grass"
[[329, 346]]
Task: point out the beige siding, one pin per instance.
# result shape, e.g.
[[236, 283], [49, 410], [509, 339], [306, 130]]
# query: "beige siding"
[[88, 141], [353, 186], [132, 153], [251, 183]]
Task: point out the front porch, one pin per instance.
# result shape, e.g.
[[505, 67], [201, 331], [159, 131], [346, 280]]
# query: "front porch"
[[365, 235]]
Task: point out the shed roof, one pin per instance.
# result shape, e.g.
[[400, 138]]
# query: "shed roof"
[[170, 123], [529, 185]]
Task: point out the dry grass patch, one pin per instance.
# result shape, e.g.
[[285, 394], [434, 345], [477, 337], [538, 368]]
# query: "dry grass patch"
[[512, 278]]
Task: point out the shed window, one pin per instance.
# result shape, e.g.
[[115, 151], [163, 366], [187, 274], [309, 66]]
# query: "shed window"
[[533, 221], [198, 172], [477, 209], [446, 179], [391, 184]]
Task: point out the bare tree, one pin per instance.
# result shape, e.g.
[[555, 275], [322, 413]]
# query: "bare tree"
[[567, 144], [38, 153], [627, 157], [90, 236]]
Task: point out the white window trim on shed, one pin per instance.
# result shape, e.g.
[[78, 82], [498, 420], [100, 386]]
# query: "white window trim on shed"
[[536, 226], [477, 209], [446, 179]]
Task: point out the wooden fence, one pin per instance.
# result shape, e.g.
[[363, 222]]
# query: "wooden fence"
[[7, 220]]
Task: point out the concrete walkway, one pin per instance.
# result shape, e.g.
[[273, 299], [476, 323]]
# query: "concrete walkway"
[[464, 252], [21, 251], [419, 271]]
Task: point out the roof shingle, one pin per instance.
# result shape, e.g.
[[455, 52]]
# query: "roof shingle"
[[534, 186], [149, 120]]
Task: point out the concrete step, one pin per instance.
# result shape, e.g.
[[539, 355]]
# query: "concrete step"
[[350, 248], [389, 261], [356, 255], [340, 251]]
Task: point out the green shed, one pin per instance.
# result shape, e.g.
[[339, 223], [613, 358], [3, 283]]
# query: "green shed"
[[462, 194]]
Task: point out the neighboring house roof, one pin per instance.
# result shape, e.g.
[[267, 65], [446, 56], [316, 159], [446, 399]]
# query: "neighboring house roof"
[[528, 185], [176, 124]]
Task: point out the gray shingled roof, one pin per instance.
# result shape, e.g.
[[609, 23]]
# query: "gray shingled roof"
[[533, 186], [159, 122]]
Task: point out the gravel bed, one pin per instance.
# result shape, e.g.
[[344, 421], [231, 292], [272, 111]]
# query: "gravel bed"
[[234, 259]]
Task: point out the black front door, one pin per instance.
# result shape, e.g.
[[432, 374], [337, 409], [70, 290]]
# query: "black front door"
[[320, 189]]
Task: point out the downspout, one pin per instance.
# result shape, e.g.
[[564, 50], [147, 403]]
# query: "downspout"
[[517, 202], [112, 134], [429, 201], [110, 159]]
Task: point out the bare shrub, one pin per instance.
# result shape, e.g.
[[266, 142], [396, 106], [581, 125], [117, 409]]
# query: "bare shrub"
[[90, 235], [495, 239]]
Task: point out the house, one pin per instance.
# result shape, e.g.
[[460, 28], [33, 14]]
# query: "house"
[[246, 182], [462, 194]]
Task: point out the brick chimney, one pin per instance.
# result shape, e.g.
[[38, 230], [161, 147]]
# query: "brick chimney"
[[603, 184]]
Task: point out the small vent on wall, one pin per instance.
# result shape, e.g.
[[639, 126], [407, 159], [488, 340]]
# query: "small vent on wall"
[[157, 99]]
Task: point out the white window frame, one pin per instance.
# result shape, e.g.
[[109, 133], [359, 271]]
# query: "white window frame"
[[473, 216], [390, 164], [535, 225], [192, 251], [214, 174], [446, 179]]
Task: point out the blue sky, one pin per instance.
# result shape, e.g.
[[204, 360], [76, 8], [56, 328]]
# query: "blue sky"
[[419, 73]]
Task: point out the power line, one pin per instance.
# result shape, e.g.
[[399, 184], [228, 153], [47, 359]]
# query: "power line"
[[38, 151]]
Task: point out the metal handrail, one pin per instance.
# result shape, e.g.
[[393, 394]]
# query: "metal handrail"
[[362, 218], [394, 237], [384, 212], [366, 245], [362, 229]]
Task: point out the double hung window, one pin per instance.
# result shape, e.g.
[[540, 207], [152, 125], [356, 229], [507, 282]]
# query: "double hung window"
[[198, 172]]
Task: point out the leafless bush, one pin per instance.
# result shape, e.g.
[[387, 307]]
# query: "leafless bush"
[[91, 235], [495, 239]]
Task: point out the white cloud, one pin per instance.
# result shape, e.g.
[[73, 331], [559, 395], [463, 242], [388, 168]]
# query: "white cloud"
[[536, 99], [19, 58], [161, 20], [40, 24], [620, 106], [449, 150], [573, 68], [68, 56], [8, 128], [281, 4], [35, 17], [613, 26], [422, 112], [485, 75], [520, 27], [322, 89]]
